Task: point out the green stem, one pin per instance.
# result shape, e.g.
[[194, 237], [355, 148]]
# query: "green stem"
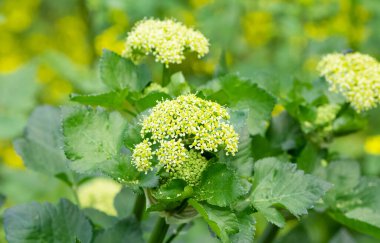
[[159, 231], [139, 207], [165, 76], [74, 189], [176, 232], [269, 234]]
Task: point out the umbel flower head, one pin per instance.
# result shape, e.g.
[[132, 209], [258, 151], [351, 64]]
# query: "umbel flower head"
[[181, 130], [356, 76], [167, 40]]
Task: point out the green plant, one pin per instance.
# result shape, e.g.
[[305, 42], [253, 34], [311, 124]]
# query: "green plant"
[[183, 151]]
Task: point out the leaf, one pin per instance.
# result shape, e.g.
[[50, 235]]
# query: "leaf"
[[41, 145], [242, 162], [348, 121], [150, 100], [174, 190], [246, 229], [99, 218], [113, 99], [126, 231], [119, 73], [358, 208], [343, 236], [280, 183], [92, 138], [17, 98], [35, 222], [178, 85], [221, 220], [219, 186], [124, 202], [243, 93]]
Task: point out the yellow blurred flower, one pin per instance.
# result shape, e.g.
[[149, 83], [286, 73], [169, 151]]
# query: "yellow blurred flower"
[[9, 156], [372, 145], [112, 39], [200, 3], [258, 27], [99, 193], [278, 108]]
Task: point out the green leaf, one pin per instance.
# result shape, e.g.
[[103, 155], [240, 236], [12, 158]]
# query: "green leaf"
[[221, 220], [92, 138], [178, 85], [99, 218], [126, 230], [119, 73], [354, 201], [280, 183], [348, 121], [243, 93], [246, 228], [174, 190], [343, 236], [150, 100], [17, 98], [35, 222], [113, 99], [124, 202], [41, 145], [219, 186]]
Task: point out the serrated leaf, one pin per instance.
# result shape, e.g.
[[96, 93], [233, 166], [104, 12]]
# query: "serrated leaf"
[[358, 208], [222, 221], [113, 99], [246, 229], [124, 202], [219, 186], [242, 93], [35, 222], [41, 145], [120, 73], [127, 230], [280, 183], [150, 100], [92, 138]]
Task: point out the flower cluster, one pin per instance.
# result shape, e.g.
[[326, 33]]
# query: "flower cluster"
[[182, 130], [356, 76], [167, 40]]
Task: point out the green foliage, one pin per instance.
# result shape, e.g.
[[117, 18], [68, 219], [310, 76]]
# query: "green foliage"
[[278, 183], [35, 222], [236, 92], [219, 186], [17, 98], [354, 199], [92, 138], [222, 221], [119, 73], [41, 145], [126, 230]]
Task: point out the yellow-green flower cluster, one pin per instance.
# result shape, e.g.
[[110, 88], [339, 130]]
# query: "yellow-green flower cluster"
[[203, 124], [191, 170], [181, 130], [167, 40], [356, 76], [171, 154], [326, 114], [142, 156]]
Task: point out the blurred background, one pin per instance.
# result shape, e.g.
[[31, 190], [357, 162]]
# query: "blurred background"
[[49, 49]]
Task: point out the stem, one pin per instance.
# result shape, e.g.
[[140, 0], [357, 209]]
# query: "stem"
[[74, 189], [165, 76], [159, 231], [139, 207], [269, 234], [176, 232]]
